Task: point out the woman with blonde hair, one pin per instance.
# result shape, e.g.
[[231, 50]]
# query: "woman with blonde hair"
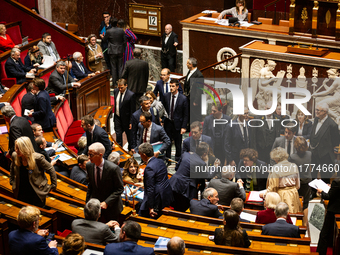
[[131, 172], [94, 53], [27, 178], [34, 58], [73, 244], [268, 215], [285, 179], [232, 234], [156, 104], [6, 42]]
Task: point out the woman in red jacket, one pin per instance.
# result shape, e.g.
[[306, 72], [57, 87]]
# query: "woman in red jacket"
[[6, 42]]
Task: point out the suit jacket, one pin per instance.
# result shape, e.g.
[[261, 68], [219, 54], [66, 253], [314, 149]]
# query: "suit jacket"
[[307, 129], [180, 182], [94, 231], [56, 83], [189, 144], [25, 242], [263, 137], [37, 178], [157, 189], [78, 175], [116, 39], [324, 141], [234, 141], [44, 50], [128, 106], [268, 216], [204, 208], [227, 190], [136, 72], [192, 86], [110, 189], [181, 110], [43, 114], [157, 135], [168, 47], [333, 197], [159, 88], [127, 248], [260, 176], [99, 135], [17, 71], [77, 72], [281, 228], [18, 127], [28, 101], [135, 122], [102, 25]]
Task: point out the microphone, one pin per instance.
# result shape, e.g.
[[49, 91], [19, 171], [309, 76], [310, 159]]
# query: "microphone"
[[300, 37]]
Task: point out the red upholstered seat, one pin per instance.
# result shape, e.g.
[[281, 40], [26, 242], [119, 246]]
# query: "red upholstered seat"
[[15, 34], [7, 82], [73, 149], [16, 106]]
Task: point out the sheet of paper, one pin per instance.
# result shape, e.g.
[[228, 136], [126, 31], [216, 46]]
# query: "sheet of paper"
[[48, 62], [319, 184], [208, 18], [248, 216], [174, 76], [223, 22], [293, 220], [90, 251], [26, 112], [245, 24], [64, 157], [254, 196]]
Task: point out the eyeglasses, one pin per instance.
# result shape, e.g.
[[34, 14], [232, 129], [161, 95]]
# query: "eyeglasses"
[[317, 110], [92, 155]]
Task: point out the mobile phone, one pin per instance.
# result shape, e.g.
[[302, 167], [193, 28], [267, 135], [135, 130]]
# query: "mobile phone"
[[57, 157]]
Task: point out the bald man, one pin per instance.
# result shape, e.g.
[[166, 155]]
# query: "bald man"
[[169, 50]]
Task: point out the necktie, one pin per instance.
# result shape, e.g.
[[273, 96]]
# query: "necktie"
[[64, 79], [81, 68], [166, 88], [98, 176], [288, 148], [172, 107], [197, 143], [145, 134], [120, 101], [245, 136]]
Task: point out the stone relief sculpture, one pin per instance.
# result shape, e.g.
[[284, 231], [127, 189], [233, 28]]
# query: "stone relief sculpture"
[[301, 81], [263, 78], [331, 94]]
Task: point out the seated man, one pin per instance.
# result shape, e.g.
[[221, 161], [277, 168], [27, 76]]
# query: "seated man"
[[128, 238], [26, 240], [237, 205], [78, 173], [151, 133], [208, 205], [191, 143], [48, 48], [57, 81], [28, 101], [3, 90], [79, 70], [92, 230], [280, 227], [226, 188], [15, 68], [176, 246]]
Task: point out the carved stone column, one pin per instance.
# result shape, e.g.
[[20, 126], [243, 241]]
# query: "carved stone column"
[[186, 50], [245, 76], [291, 17], [315, 19], [45, 9]]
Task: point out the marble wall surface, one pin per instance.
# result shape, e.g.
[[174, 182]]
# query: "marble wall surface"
[[65, 11]]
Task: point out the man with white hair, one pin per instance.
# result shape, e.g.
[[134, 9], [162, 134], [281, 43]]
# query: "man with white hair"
[[78, 68], [226, 188], [114, 157], [169, 50], [15, 68], [208, 206], [323, 139], [105, 183]]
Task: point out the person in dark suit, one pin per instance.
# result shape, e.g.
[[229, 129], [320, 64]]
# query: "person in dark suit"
[[18, 126], [280, 227], [125, 106], [136, 72], [128, 238], [232, 234], [27, 239], [326, 234], [95, 134], [57, 80], [265, 131], [218, 133], [157, 189], [191, 143], [246, 170], [42, 113], [79, 70], [92, 230], [277, 115], [116, 39], [227, 190], [304, 127], [323, 139], [238, 137], [185, 188], [15, 68], [208, 206], [104, 26], [145, 106], [28, 101], [169, 50], [105, 183], [151, 133], [78, 173], [163, 85], [193, 83], [176, 105], [237, 205]]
